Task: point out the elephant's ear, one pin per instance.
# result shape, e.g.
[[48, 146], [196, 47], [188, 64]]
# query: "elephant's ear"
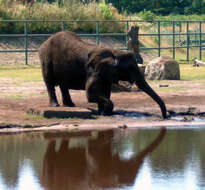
[[125, 58], [96, 56], [92, 60]]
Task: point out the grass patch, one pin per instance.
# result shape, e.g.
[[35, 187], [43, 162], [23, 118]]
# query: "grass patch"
[[188, 72], [35, 117], [25, 74], [170, 89], [33, 74], [156, 83], [19, 96]]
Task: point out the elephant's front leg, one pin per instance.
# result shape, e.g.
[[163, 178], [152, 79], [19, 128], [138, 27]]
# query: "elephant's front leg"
[[105, 106], [104, 103], [98, 93]]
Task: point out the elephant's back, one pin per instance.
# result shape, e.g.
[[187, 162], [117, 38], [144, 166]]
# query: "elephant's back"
[[67, 54], [67, 47]]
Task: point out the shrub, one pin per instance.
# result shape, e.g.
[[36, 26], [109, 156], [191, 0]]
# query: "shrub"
[[105, 9], [147, 15], [72, 10]]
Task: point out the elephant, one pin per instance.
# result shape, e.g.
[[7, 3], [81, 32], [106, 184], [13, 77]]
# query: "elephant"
[[68, 61], [100, 76], [78, 67]]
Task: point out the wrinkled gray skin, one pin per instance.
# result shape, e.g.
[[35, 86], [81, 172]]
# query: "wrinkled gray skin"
[[71, 63], [100, 76], [128, 70]]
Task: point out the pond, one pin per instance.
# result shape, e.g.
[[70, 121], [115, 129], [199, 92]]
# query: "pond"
[[121, 159]]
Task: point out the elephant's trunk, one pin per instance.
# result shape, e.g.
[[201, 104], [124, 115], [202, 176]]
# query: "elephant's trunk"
[[143, 85]]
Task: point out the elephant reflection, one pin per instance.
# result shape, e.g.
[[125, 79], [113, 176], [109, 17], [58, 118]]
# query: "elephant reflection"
[[93, 167]]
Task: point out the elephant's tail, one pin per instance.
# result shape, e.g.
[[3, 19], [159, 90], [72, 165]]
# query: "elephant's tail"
[[48, 72], [47, 64]]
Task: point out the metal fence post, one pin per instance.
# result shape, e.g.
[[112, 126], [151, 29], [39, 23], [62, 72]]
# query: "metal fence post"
[[26, 41], [159, 47], [127, 29], [62, 25], [180, 30], [187, 34], [200, 54], [173, 39], [185, 41], [98, 32]]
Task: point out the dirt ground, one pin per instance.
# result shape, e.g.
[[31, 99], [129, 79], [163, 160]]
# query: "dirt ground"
[[24, 106]]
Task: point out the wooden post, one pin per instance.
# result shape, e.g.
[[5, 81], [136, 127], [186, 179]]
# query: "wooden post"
[[133, 43]]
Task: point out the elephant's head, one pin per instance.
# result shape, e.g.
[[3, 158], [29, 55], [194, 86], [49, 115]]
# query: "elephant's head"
[[128, 70], [103, 64], [101, 73]]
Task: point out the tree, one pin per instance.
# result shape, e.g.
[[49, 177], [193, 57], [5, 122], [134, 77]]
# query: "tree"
[[163, 7]]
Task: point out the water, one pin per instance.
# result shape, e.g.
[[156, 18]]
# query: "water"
[[115, 159]]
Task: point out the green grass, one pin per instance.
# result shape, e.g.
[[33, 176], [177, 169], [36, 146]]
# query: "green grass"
[[33, 73], [170, 89], [188, 72], [36, 117], [24, 74], [19, 96]]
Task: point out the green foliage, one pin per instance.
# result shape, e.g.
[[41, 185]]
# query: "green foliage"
[[147, 15], [160, 7], [5, 2], [25, 74], [92, 10], [172, 17], [188, 72], [105, 9], [72, 10]]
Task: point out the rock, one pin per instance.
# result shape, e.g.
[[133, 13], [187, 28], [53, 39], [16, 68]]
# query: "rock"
[[162, 68]]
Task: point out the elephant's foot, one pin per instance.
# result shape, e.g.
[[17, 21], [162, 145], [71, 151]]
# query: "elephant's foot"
[[108, 112], [68, 104], [54, 104], [102, 112], [106, 109]]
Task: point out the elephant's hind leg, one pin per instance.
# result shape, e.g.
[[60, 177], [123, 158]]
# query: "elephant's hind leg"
[[66, 99], [47, 71], [52, 95]]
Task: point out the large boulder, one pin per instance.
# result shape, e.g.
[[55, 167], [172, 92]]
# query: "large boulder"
[[162, 68]]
